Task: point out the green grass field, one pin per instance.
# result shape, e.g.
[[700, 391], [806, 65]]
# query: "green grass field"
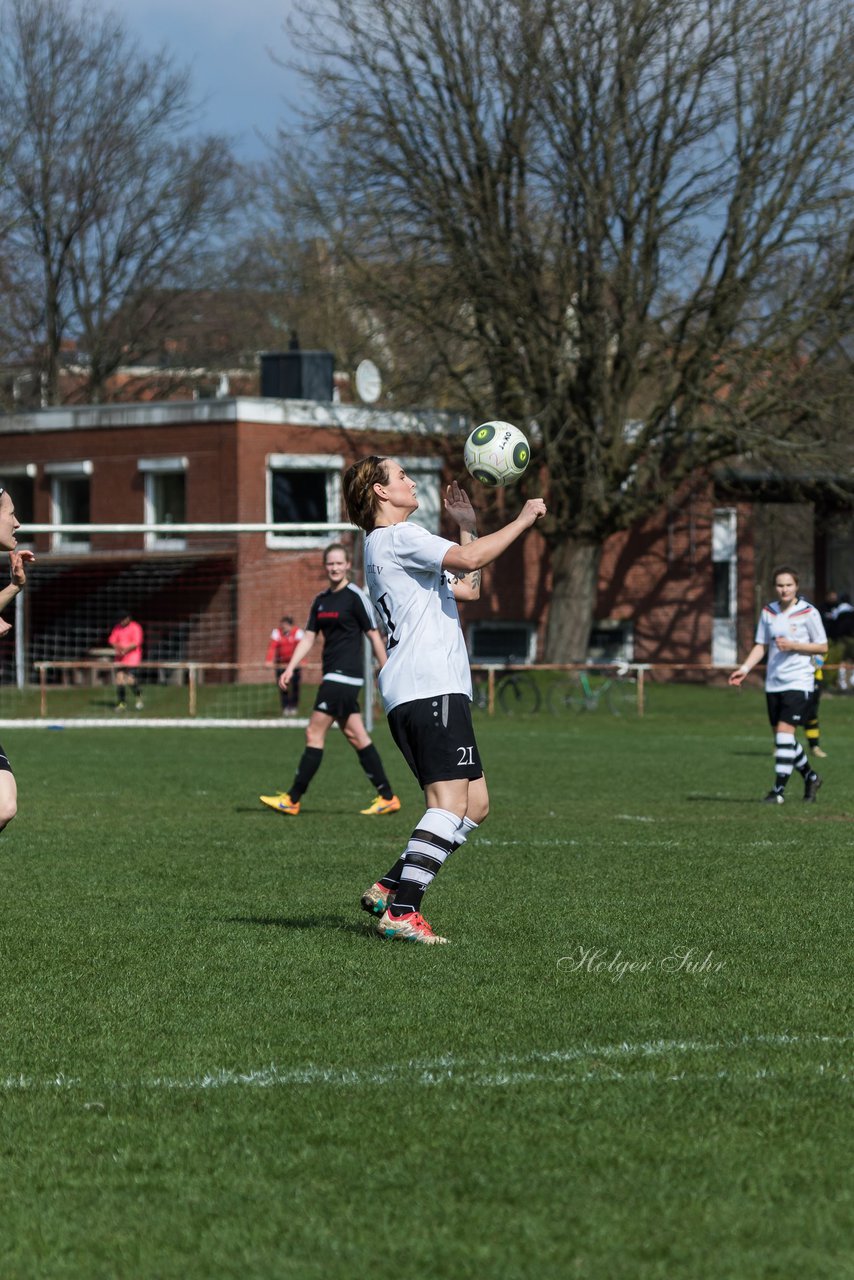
[[210, 1068]]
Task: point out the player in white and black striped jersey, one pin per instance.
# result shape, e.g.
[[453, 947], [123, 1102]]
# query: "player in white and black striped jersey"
[[792, 632], [415, 579], [342, 614]]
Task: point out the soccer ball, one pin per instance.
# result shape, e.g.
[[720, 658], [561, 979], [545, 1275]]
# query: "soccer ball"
[[496, 454]]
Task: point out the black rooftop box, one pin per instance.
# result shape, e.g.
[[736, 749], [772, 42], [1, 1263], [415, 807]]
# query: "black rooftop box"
[[297, 375]]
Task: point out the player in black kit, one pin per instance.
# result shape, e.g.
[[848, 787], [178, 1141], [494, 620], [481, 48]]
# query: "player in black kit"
[[342, 614]]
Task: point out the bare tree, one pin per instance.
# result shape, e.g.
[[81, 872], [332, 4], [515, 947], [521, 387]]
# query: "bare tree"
[[104, 200], [626, 223]]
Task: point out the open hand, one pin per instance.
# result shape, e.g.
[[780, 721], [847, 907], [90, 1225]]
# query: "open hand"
[[458, 506], [17, 561]]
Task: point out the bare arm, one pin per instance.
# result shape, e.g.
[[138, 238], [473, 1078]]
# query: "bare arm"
[[479, 553], [795, 646], [465, 586], [376, 643], [757, 653], [18, 560], [303, 648]]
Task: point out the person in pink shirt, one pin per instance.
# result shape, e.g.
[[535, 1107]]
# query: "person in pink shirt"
[[126, 639]]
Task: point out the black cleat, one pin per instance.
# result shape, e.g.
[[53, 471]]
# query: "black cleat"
[[774, 797], [811, 786]]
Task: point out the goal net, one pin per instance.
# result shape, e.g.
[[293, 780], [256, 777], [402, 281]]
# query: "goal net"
[[207, 597]]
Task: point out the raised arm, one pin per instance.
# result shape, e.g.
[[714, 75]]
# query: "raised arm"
[[481, 552], [18, 560], [465, 586]]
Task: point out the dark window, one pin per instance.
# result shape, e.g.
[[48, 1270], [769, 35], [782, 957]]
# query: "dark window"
[[299, 497], [22, 491], [722, 570], [168, 504], [71, 497]]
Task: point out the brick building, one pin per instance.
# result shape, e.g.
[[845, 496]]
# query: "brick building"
[[678, 588]]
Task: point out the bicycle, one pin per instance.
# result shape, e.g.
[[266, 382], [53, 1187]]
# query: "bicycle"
[[516, 692], [584, 690]]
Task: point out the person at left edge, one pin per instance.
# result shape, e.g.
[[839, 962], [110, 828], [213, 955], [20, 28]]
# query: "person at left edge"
[[342, 614], [18, 560]]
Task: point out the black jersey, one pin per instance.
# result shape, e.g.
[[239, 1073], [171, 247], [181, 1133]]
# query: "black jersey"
[[342, 617]]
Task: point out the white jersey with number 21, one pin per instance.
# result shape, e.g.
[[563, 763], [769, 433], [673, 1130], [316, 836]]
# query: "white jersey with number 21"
[[426, 649]]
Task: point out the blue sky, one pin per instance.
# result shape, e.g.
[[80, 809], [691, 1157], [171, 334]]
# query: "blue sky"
[[225, 43]]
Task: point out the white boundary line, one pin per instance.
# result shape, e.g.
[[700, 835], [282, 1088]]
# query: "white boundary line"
[[532, 1068], [143, 722]]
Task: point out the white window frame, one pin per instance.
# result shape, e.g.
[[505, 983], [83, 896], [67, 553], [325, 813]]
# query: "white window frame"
[[416, 466], [59, 471], [150, 468], [725, 551], [330, 463]]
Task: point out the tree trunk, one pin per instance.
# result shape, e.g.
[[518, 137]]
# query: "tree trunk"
[[575, 577]]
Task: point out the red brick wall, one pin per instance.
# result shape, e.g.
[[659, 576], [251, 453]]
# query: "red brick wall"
[[659, 575]]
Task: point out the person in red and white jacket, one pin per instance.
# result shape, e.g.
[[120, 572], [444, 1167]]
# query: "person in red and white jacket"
[[283, 641]]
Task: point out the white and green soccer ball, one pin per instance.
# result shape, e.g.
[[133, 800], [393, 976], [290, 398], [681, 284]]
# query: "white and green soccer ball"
[[496, 454]]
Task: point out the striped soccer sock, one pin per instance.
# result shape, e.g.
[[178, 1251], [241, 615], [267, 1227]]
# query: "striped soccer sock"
[[429, 846], [391, 879], [789, 755]]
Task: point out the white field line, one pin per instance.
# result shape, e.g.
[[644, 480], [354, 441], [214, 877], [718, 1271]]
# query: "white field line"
[[143, 722], [538, 1067]]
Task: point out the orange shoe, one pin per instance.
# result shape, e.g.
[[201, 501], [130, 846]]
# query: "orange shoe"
[[282, 803], [410, 928], [382, 806]]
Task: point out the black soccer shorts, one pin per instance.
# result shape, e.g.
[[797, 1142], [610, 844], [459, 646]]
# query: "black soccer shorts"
[[337, 700], [436, 738], [791, 706]]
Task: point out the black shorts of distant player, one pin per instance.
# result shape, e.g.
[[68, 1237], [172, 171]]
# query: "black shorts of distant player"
[[790, 706], [436, 738], [337, 699]]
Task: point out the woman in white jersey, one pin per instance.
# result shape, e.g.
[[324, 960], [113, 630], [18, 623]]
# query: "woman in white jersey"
[[18, 560], [415, 579], [792, 631]]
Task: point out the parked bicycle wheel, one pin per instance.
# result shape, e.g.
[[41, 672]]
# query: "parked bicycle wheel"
[[622, 696], [479, 691], [565, 694], [518, 694]]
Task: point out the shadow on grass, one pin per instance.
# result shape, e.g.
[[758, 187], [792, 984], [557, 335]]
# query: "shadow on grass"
[[300, 922]]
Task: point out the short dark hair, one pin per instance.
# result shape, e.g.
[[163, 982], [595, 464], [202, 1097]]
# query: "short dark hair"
[[786, 568]]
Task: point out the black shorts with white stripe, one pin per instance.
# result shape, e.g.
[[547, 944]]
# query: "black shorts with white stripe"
[[4, 761], [436, 738], [336, 699]]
